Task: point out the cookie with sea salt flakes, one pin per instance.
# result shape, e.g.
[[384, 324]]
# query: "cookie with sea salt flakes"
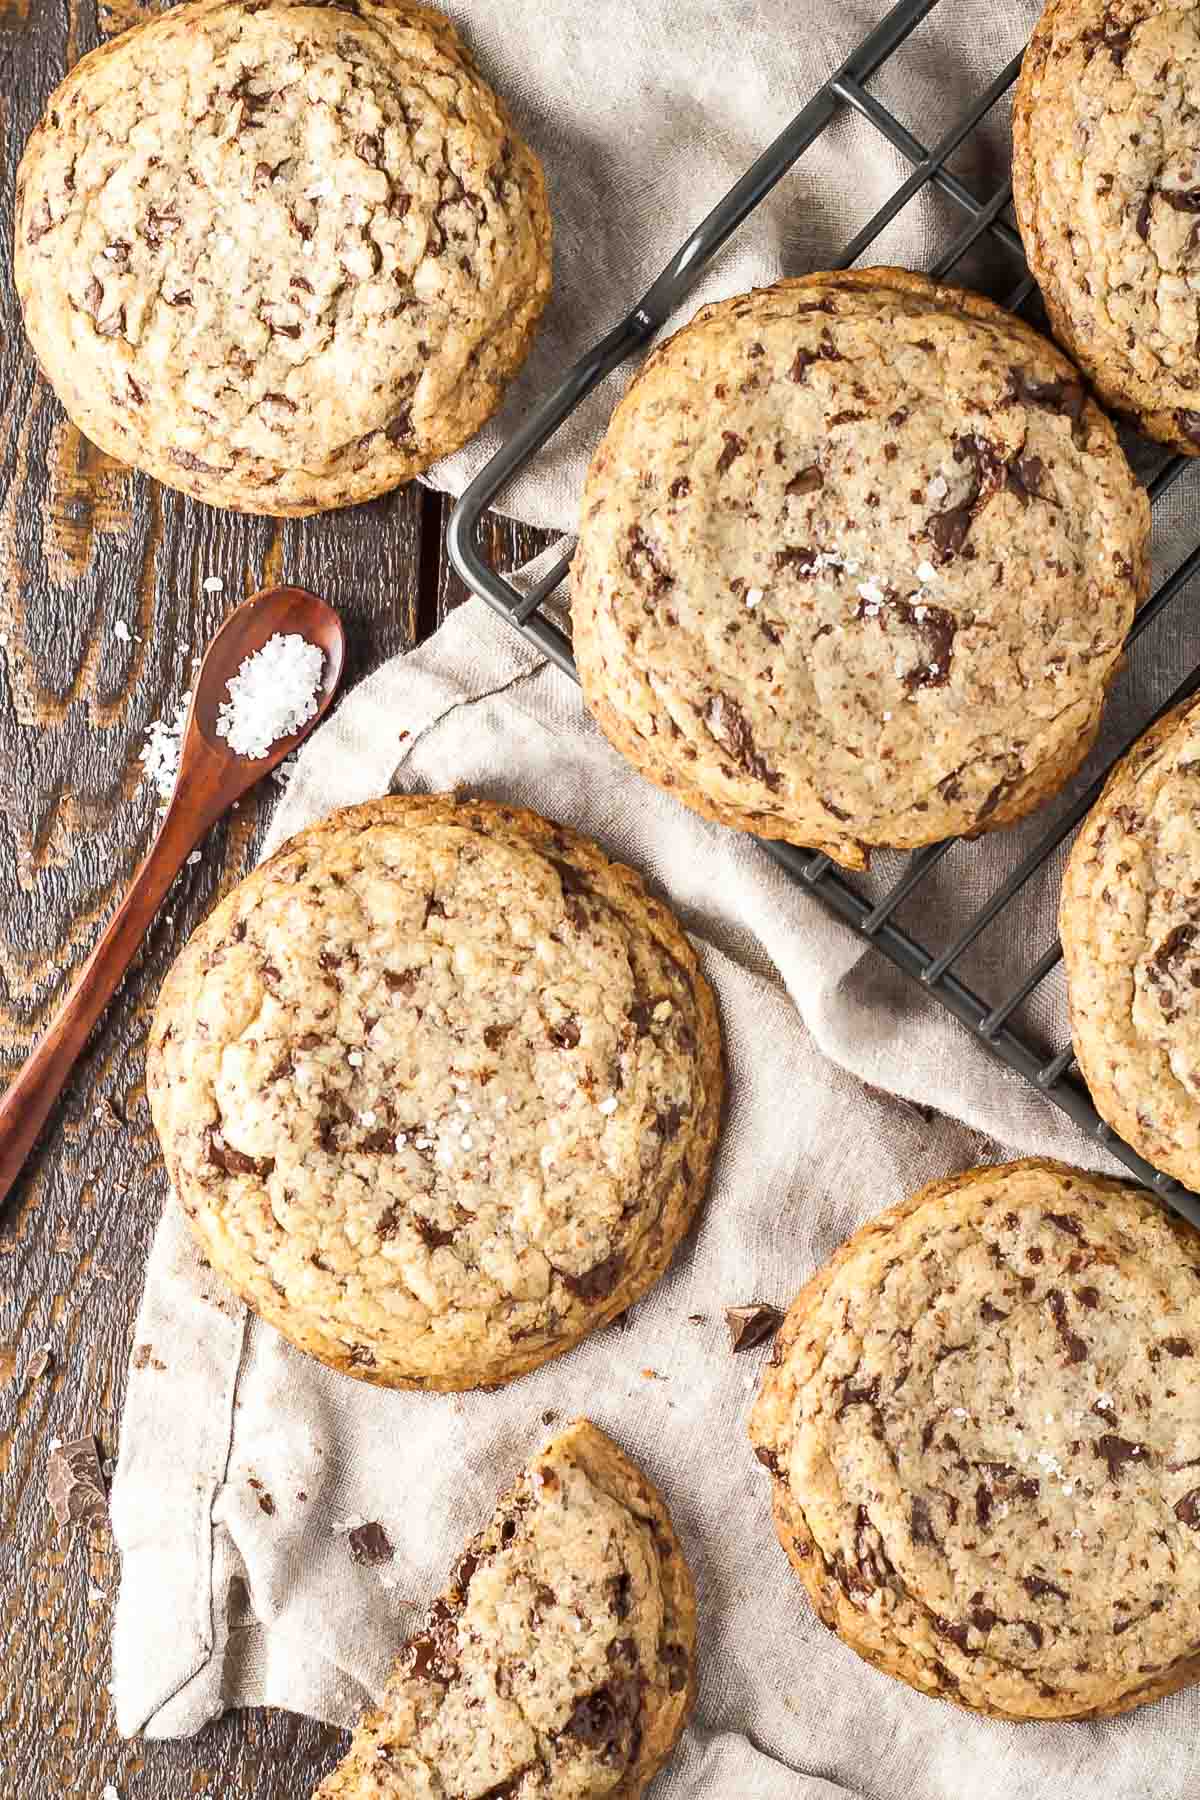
[[856, 560], [981, 1426], [1130, 922], [1106, 184], [278, 255], [558, 1663], [438, 1088]]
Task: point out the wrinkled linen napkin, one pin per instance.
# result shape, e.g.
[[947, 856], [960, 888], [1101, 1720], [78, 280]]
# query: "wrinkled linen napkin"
[[644, 115]]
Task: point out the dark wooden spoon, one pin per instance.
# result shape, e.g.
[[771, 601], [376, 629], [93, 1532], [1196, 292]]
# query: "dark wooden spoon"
[[211, 777]]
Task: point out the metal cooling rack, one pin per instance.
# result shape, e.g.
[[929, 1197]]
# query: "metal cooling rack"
[[990, 1021]]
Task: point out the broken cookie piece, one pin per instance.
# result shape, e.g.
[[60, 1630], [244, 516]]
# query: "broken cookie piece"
[[558, 1661]]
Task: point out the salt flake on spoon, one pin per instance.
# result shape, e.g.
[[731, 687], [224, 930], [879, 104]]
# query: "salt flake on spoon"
[[273, 694]]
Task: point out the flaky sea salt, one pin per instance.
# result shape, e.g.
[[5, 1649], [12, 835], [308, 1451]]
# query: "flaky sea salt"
[[122, 632], [753, 596], [926, 572], [213, 584], [609, 1105], [272, 695], [159, 755]]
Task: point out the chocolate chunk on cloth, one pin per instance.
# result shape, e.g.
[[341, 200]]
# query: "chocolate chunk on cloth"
[[369, 1544], [750, 1326], [562, 1649]]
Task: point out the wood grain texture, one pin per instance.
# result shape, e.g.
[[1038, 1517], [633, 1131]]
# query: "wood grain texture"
[[85, 543]]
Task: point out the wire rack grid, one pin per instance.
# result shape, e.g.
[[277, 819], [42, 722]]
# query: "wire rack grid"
[[991, 1021]]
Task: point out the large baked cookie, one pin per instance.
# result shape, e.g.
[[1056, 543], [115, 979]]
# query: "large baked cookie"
[[438, 1088], [1130, 921], [1106, 180], [559, 1662], [856, 560], [981, 1423], [280, 255]]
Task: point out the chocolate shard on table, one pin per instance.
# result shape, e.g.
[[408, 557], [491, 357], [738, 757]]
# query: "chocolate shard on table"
[[75, 1483]]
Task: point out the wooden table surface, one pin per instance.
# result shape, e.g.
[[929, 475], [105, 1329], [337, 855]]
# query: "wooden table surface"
[[84, 544]]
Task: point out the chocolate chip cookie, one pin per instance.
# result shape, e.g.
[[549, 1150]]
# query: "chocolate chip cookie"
[[981, 1426], [438, 1088], [1106, 181], [558, 1663], [1130, 921], [856, 560], [280, 256]]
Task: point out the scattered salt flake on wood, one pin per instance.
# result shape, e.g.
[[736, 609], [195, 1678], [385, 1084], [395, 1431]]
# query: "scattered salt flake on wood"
[[272, 695], [121, 632], [193, 859], [213, 584], [159, 755]]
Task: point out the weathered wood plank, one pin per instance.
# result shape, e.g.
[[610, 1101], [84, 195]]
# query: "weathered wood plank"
[[85, 544]]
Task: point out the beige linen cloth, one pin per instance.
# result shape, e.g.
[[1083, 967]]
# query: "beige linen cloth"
[[242, 1462]]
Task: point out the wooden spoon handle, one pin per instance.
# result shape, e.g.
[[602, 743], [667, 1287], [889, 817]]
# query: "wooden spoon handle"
[[30, 1097]]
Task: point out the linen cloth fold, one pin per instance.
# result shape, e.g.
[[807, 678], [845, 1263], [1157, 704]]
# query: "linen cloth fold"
[[644, 116]]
